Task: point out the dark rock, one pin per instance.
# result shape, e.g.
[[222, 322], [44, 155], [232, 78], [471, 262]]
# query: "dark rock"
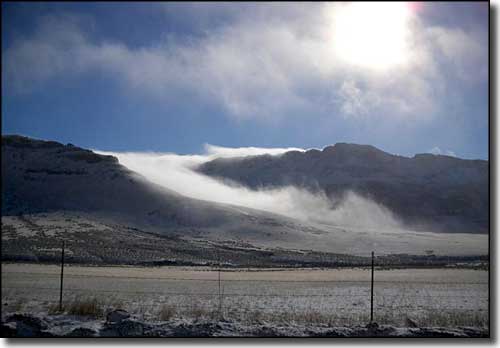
[[336, 332], [123, 328], [475, 332], [27, 319], [130, 328], [437, 332], [384, 331], [82, 332], [194, 330], [27, 326], [8, 329], [411, 323], [109, 331], [266, 331], [117, 315]]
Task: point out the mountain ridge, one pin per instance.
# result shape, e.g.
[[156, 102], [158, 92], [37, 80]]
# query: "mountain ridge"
[[53, 192], [453, 193]]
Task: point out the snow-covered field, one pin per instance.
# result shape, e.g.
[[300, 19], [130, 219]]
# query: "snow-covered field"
[[422, 297]]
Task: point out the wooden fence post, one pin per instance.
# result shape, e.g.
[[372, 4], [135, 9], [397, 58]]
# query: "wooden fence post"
[[371, 300], [220, 289], [62, 275]]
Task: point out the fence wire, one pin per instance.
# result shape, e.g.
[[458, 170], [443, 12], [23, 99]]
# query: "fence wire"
[[345, 300]]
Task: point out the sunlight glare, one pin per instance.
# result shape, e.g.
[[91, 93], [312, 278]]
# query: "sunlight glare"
[[372, 35]]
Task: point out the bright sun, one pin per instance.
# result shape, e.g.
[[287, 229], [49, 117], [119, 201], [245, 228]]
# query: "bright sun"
[[372, 34]]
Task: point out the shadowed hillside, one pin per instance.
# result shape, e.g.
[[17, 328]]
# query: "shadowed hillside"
[[52, 191], [429, 192]]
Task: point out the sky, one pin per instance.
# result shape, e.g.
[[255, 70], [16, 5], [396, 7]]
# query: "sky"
[[172, 77]]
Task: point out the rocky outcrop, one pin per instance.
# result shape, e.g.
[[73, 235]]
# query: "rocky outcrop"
[[117, 316], [24, 325]]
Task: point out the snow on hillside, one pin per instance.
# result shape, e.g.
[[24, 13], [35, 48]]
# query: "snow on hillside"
[[426, 192], [47, 177]]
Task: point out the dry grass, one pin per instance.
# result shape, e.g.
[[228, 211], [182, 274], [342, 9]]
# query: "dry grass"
[[201, 310], [306, 317], [54, 309], [335, 319], [167, 312], [90, 307], [254, 316], [197, 312], [449, 319], [400, 319], [18, 305], [456, 318], [116, 303]]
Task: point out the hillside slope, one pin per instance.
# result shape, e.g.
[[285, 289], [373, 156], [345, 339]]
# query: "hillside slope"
[[52, 191], [429, 192], [46, 176]]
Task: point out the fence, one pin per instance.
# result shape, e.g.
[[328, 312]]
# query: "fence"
[[327, 296]]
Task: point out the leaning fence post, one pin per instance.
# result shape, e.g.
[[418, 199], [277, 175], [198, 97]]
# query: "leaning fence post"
[[62, 275], [220, 291], [371, 300]]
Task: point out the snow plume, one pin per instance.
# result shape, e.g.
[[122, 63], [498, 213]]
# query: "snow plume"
[[219, 151], [177, 172], [437, 151]]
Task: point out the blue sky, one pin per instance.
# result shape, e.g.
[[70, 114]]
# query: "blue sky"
[[172, 77]]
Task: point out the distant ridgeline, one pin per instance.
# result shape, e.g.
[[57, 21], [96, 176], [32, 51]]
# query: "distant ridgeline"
[[69, 151], [428, 192], [110, 214]]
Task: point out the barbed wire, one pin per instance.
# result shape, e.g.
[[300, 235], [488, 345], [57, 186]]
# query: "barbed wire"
[[214, 306], [388, 299], [194, 294], [245, 280]]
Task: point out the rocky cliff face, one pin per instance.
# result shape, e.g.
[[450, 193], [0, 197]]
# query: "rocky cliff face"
[[439, 193]]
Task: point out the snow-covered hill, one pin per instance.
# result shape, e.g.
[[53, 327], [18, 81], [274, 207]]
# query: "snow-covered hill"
[[42, 179], [428, 192], [40, 176]]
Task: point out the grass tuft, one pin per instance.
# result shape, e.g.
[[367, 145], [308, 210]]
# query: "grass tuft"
[[54, 309], [89, 307], [167, 312]]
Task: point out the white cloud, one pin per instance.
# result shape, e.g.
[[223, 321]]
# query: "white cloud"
[[219, 151], [437, 151], [465, 51], [176, 172], [353, 100], [265, 62]]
